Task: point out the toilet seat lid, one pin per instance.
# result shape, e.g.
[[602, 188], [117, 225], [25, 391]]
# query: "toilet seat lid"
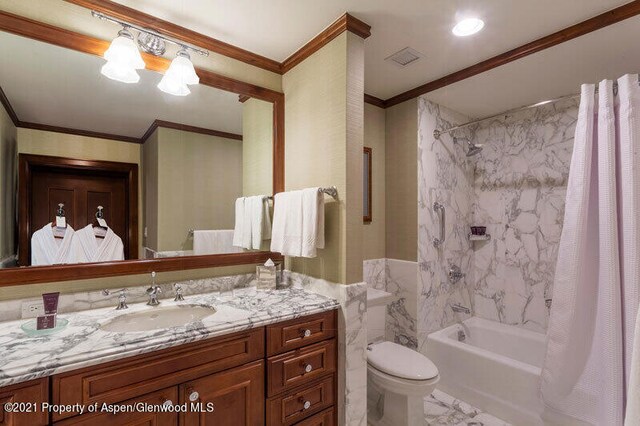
[[398, 361]]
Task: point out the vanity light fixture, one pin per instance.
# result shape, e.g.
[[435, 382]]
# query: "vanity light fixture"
[[468, 27], [123, 57], [180, 73]]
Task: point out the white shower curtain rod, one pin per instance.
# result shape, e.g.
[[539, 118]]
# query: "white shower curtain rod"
[[437, 133]]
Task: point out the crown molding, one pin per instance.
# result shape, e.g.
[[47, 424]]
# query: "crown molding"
[[7, 106], [345, 23], [172, 30], [374, 101], [187, 128], [603, 20]]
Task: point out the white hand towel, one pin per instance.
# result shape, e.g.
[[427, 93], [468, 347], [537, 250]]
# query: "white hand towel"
[[215, 241], [286, 235], [238, 230], [632, 416], [256, 212], [266, 219], [246, 223], [312, 221]]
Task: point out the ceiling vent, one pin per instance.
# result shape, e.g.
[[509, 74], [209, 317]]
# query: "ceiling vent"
[[404, 57]]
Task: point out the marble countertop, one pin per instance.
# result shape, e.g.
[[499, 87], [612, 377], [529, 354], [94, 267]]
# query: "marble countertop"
[[83, 343]]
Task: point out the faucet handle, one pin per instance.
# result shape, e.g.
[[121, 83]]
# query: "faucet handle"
[[122, 298], [179, 297]]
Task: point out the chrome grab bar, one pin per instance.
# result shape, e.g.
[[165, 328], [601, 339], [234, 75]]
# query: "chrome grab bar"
[[439, 208]]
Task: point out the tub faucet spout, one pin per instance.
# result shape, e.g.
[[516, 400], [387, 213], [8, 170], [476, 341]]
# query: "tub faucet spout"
[[458, 308]]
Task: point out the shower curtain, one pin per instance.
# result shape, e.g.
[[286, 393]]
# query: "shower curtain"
[[596, 290]]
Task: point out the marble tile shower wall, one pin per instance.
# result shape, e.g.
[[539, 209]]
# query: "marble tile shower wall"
[[520, 186], [398, 277], [445, 175]]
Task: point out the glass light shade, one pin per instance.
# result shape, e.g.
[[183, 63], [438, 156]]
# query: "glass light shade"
[[118, 73], [123, 58], [171, 86], [180, 73], [467, 27]]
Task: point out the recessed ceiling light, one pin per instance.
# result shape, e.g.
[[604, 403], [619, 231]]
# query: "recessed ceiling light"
[[468, 26]]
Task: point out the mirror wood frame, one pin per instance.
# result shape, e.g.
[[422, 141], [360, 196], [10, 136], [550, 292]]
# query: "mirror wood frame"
[[26, 27]]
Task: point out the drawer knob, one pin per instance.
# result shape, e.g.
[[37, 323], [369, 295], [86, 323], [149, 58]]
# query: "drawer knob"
[[306, 405], [194, 396], [308, 368], [306, 333], [167, 403]]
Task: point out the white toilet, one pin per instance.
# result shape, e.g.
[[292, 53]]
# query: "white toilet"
[[402, 375]]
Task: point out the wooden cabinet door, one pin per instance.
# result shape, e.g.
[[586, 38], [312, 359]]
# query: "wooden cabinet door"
[[141, 415], [231, 398], [20, 404]]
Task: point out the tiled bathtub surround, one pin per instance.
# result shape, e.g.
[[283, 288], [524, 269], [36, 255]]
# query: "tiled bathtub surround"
[[445, 175], [520, 186], [398, 277], [352, 360]]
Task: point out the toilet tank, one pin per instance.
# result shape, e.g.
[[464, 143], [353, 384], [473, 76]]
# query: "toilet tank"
[[377, 301]]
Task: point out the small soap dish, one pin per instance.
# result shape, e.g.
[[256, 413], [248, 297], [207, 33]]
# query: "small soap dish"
[[485, 237], [29, 327]]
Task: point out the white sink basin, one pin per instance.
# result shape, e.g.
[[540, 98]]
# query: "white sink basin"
[[159, 318]]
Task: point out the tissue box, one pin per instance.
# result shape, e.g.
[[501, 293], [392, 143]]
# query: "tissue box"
[[266, 277]]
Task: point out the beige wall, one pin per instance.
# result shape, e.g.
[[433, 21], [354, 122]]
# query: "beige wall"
[[324, 136], [76, 18], [199, 179], [402, 181], [257, 147], [8, 179], [40, 142], [373, 238]]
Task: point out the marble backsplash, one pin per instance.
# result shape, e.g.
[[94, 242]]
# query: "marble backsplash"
[[398, 277], [445, 175], [80, 301], [520, 186]]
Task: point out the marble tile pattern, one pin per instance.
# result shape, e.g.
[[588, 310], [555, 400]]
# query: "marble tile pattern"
[[352, 347], [84, 343], [398, 277], [445, 175], [520, 187], [73, 302], [443, 409]]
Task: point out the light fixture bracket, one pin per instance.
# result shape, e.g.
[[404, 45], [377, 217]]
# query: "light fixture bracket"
[[152, 44]]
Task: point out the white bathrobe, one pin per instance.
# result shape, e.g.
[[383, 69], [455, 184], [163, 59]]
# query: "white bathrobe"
[[88, 248], [48, 250]]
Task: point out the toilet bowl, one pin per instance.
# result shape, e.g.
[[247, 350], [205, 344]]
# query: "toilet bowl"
[[403, 377]]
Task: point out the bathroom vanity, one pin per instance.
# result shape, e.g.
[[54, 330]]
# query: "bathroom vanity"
[[274, 371]]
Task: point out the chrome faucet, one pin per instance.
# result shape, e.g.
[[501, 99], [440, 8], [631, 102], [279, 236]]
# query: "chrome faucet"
[[179, 297], [122, 298], [153, 291], [458, 308]]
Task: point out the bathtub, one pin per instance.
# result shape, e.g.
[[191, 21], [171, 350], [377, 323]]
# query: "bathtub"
[[496, 369]]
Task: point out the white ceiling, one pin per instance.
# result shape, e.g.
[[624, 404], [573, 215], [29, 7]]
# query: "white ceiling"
[[277, 28], [51, 85]]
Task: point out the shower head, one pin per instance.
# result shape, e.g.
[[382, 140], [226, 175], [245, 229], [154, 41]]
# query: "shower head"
[[473, 149]]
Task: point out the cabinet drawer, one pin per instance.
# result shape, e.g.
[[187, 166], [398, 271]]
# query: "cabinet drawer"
[[301, 366], [299, 404], [31, 394], [124, 379], [325, 418], [300, 332], [134, 417]]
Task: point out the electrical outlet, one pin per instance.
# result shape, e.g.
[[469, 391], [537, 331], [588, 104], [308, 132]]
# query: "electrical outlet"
[[32, 308]]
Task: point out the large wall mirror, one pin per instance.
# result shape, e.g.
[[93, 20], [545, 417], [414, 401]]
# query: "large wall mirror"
[[133, 171]]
